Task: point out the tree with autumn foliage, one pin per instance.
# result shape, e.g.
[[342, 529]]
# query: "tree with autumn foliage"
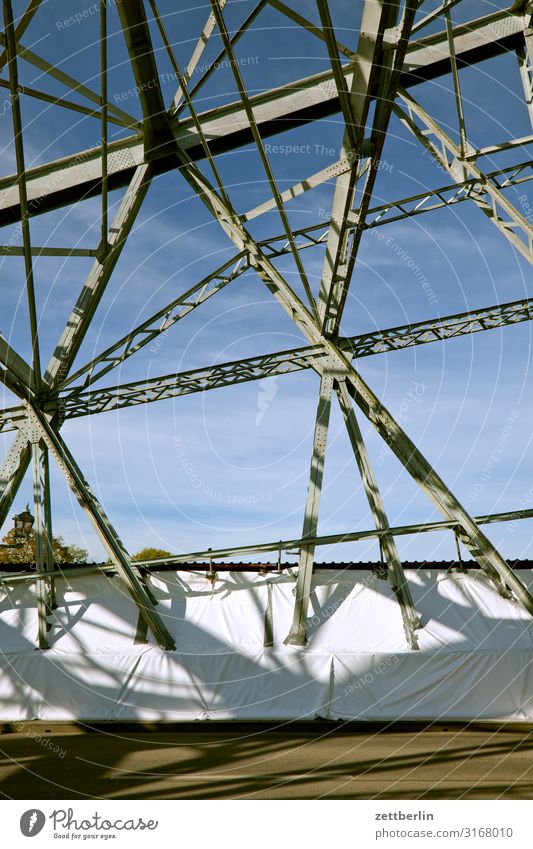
[[21, 549], [152, 554]]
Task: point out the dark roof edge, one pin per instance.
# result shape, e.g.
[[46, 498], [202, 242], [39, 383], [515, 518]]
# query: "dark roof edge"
[[360, 566]]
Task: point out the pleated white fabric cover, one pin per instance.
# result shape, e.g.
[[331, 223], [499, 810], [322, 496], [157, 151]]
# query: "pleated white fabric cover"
[[475, 659]]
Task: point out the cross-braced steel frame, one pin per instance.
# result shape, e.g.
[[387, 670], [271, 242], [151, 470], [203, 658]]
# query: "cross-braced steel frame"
[[367, 83]]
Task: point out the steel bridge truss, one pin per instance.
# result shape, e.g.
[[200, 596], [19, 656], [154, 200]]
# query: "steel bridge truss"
[[402, 45]]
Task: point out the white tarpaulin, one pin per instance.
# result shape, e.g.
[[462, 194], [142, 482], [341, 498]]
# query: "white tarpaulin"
[[475, 658]]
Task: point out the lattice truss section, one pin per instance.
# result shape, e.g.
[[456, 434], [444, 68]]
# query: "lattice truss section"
[[401, 46]]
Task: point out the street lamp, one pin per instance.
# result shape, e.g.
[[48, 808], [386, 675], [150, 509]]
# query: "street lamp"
[[23, 523]]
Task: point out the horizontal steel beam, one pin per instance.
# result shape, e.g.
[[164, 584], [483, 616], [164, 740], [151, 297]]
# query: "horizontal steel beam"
[[385, 213], [78, 176], [9, 250], [282, 545], [165, 318], [406, 207], [64, 572], [76, 404], [334, 539], [448, 195], [89, 403]]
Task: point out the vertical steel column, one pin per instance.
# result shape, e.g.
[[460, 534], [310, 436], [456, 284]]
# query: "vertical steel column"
[[375, 17], [298, 633], [42, 543], [48, 528], [356, 104], [23, 24], [103, 526], [456, 82], [396, 574], [11, 49], [103, 124]]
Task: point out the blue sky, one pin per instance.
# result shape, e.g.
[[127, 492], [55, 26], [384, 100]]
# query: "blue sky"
[[231, 466]]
